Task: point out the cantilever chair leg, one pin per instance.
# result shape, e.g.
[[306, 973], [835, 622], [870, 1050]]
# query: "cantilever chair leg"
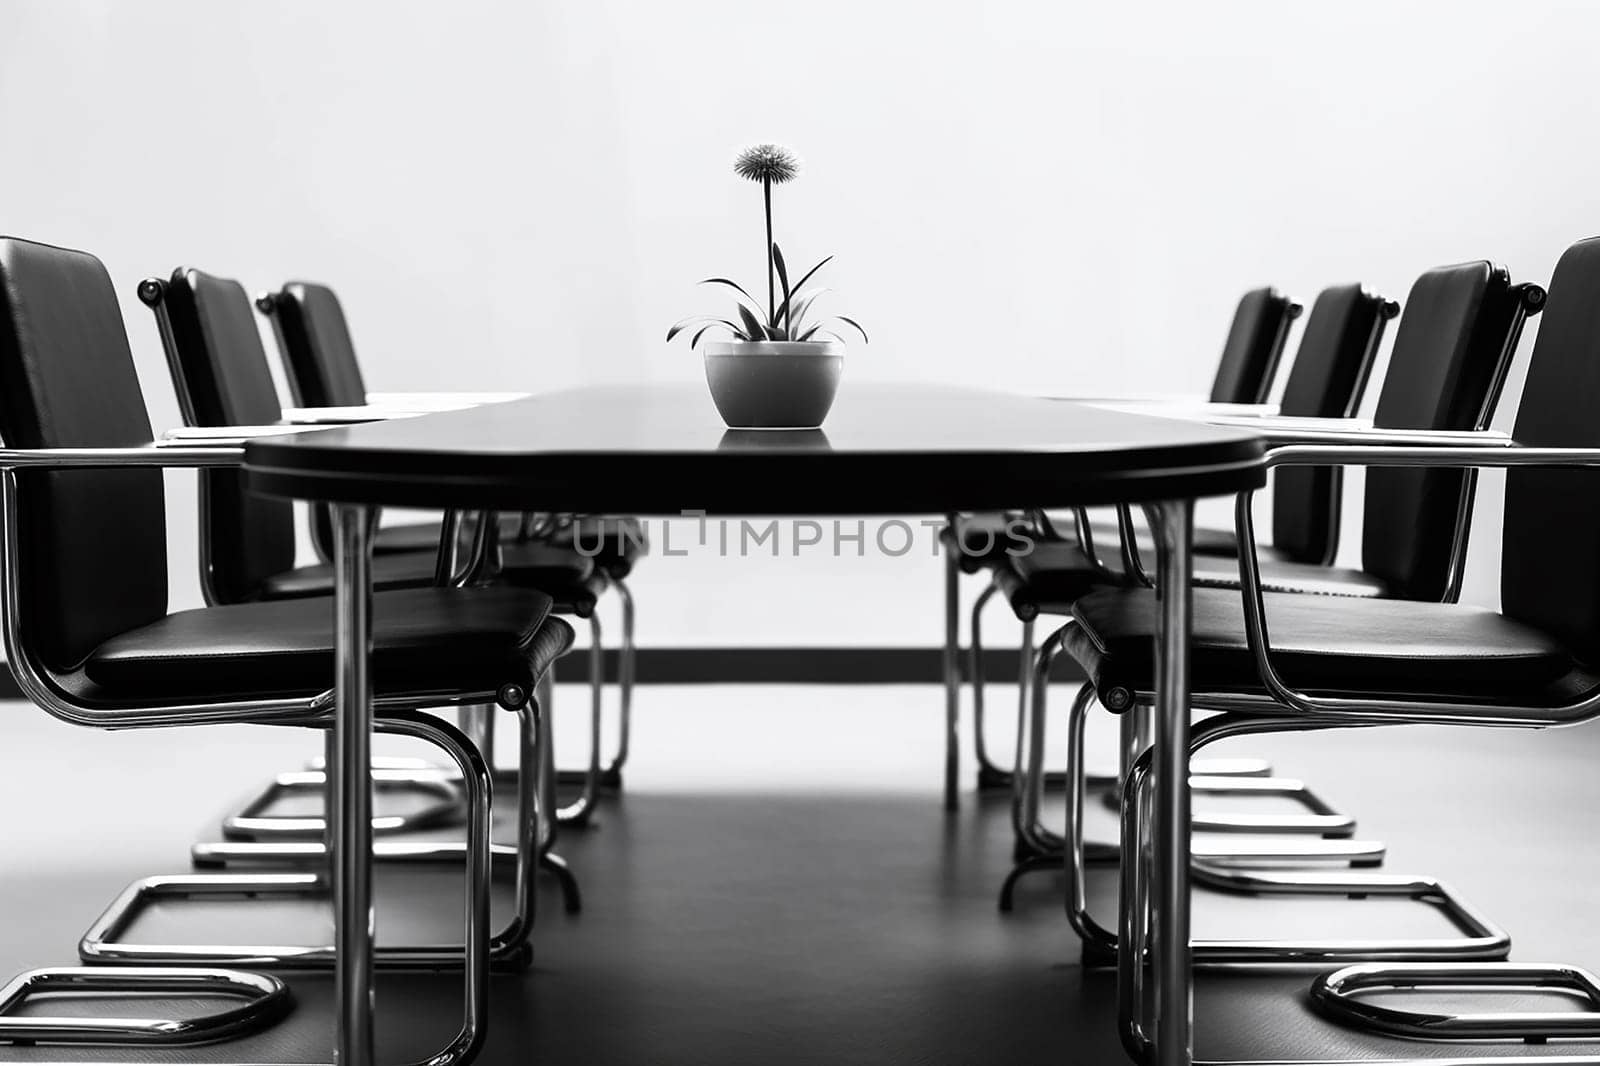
[[533, 766], [510, 949], [1335, 996], [991, 775], [611, 776], [395, 775], [1040, 849], [1480, 938], [251, 822], [579, 811], [265, 1000], [547, 825]]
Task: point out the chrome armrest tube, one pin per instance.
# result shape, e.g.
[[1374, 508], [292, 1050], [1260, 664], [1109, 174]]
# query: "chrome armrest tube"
[[12, 459], [1258, 632]]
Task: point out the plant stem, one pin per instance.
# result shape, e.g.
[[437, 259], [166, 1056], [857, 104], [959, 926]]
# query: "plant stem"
[[772, 306]]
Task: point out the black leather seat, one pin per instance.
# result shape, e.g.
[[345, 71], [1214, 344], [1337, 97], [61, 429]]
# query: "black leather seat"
[[430, 639], [1324, 644], [1286, 575], [983, 540], [616, 544], [1047, 579], [221, 373], [565, 576]]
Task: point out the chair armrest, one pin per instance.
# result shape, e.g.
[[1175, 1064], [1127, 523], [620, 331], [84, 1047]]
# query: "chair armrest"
[[1283, 430], [439, 401], [1489, 450], [149, 455], [1498, 451]]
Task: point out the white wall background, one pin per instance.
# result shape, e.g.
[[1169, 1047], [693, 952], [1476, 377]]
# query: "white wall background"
[[1063, 196]]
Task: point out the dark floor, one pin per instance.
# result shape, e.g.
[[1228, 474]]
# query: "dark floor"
[[852, 922]]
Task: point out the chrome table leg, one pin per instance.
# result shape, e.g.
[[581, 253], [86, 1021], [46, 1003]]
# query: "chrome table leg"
[[351, 773], [952, 669], [1170, 954]]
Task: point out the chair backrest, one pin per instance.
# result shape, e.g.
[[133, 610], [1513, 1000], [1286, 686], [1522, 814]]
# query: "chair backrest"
[[1254, 345], [222, 377], [1451, 353], [93, 542], [317, 350], [1337, 349], [320, 358], [1550, 553]]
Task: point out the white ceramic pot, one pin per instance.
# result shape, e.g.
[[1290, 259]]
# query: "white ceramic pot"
[[773, 384]]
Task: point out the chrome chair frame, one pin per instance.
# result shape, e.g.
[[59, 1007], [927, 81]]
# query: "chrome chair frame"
[[991, 775], [251, 822], [593, 777], [1334, 994], [400, 712], [1531, 299], [1041, 849], [1483, 939], [266, 1000], [1217, 866], [286, 837], [1287, 708]]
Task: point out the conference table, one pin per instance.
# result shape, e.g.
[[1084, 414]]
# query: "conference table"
[[660, 450]]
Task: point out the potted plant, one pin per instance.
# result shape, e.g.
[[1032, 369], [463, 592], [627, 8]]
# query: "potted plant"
[[780, 369]]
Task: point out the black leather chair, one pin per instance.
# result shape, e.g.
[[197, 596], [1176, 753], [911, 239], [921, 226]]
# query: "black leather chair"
[[1452, 351], [222, 378], [1274, 661], [1337, 350], [323, 371], [978, 543], [89, 637]]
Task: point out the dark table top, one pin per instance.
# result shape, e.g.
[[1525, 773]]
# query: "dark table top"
[[661, 449]]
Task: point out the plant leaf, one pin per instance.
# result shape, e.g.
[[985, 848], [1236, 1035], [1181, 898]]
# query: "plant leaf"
[[691, 320], [807, 275], [783, 280], [807, 334], [801, 307], [795, 296], [855, 325], [752, 325], [701, 332], [735, 286]]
